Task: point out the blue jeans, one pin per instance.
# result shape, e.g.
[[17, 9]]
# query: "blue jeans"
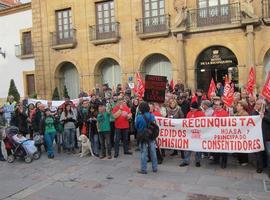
[[117, 137], [49, 138], [95, 143], [69, 135], [198, 157], [144, 155]]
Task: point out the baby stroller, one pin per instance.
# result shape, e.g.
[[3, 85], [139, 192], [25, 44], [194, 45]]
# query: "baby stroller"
[[24, 149]]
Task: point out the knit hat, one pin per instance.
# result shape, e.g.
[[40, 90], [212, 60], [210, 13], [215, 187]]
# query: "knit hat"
[[207, 103], [194, 105]]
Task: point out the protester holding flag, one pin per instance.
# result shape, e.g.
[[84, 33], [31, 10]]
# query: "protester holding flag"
[[212, 89], [251, 82]]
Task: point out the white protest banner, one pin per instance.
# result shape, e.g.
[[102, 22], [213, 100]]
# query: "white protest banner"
[[55, 103], [224, 134]]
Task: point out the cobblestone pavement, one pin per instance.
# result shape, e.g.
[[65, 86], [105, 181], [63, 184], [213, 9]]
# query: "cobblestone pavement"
[[69, 177]]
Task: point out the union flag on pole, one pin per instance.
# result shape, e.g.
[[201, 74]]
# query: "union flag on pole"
[[251, 82], [266, 88], [228, 93], [172, 84], [139, 88], [212, 89]]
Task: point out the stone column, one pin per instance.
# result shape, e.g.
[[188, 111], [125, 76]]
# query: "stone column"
[[182, 75], [251, 50], [250, 46], [38, 49]]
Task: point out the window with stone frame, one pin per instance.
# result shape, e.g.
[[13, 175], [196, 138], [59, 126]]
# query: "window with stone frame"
[[153, 12], [213, 11], [30, 84], [105, 17], [26, 43], [64, 25]]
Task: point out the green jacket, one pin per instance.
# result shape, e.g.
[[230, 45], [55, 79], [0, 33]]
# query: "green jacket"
[[104, 122]]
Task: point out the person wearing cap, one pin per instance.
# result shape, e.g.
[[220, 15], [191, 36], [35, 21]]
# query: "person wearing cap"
[[194, 112], [207, 108], [122, 115], [48, 128]]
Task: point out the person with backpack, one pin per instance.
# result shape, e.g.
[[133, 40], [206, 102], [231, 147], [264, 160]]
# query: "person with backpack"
[[147, 133]]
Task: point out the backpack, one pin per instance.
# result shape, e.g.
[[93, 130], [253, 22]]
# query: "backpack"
[[151, 131]]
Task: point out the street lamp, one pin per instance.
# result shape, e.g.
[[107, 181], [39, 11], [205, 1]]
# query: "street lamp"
[[2, 52]]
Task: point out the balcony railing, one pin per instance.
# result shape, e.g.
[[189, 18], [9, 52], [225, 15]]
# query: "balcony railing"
[[266, 9], [22, 50], [214, 15], [105, 32], [64, 39], [155, 24]]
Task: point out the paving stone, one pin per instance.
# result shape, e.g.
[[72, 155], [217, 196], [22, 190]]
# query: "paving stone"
[[70, 177]]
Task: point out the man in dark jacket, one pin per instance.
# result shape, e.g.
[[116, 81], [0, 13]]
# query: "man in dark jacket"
[[184, 104], [19, 119], [259, 155], [37, 118], [266, 135]]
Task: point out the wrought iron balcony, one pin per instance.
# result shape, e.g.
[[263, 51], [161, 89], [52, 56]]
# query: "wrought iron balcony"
[[63, 39], [214, 15], [266, 11], [158, 25], [24, 51], [105, 33]]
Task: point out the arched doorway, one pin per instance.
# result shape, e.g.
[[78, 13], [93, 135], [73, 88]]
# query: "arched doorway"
[[266, 64], [110, 72], [157, 64], [69, 77], [216, 62]]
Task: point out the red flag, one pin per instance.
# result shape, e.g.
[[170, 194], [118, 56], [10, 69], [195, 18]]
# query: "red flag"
[[251, 81], [172, 84], [139, 89], [266, 88], [228, 93], [212, 88]]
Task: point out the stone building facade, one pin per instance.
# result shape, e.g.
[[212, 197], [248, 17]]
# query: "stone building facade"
[[82, 43]]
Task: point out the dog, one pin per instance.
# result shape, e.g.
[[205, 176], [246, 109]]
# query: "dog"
[[86, 146]]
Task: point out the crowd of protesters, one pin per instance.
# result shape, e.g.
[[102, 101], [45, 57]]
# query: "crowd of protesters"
[[108, 118]]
